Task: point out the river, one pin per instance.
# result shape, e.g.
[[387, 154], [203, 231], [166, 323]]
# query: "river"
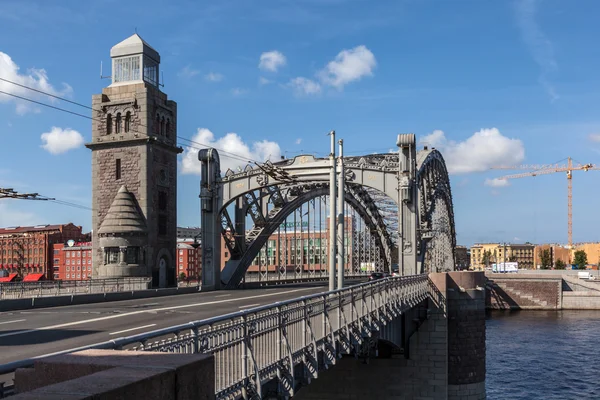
[[549, 355]]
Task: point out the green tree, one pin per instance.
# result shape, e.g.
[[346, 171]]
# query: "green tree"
[[559, 264], [182, 276], [546, 259], [487, 258], [580, 259]]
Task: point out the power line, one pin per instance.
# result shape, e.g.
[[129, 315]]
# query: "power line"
[[231, 154]]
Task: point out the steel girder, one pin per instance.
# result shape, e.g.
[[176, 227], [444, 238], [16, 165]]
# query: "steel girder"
[[436, 233], [288, 200]]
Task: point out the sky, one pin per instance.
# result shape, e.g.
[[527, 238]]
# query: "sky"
[[488, 83]]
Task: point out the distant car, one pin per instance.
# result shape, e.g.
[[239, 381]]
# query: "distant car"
[[376, 275]]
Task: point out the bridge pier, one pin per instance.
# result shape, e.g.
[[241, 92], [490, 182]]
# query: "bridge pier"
[[446, 352]]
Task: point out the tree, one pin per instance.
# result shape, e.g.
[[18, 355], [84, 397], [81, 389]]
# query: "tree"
[[487, 258], [559, 264], [182, 276], [580, 259], [546, 259]]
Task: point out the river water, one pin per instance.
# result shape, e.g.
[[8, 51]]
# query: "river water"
[[549, 355]]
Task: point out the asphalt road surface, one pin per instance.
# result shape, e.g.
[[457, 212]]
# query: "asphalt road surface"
[[31, 333]]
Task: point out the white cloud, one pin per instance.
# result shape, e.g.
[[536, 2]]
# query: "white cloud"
[[348, 66], [264, 81], [213, 77], [496, 182], [539, 45], [60, 140], [34, 78], [483, 150], [271, 61], [594, 137], [237, 92], [299, 140], [304, 86], [231, 143], [188, 72]]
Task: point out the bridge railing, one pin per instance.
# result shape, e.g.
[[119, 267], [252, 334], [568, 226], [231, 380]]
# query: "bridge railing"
[[253, 347], [20, 290]]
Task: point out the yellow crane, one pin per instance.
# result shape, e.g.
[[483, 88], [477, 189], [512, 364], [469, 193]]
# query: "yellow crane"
[[551, 169]]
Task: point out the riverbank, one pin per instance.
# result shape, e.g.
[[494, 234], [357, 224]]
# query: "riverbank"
[[541, 291]]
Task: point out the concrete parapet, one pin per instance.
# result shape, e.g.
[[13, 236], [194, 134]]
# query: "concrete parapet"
[[111, 374]]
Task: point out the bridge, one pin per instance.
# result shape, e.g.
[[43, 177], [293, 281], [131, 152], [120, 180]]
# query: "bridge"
[[399, 201], [289, 341]]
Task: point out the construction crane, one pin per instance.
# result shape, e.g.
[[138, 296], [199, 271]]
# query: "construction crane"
[[551, 169]]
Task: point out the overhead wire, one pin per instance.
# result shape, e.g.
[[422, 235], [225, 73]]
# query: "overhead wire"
[[225, 152]]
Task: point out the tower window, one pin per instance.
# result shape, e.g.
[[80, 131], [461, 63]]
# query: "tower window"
[[157, 125], [162, 126], [127, 121], [162, 201], [118, 123], [168, 131], [133, 255], [118, 169], [111, 255], [108, 124]]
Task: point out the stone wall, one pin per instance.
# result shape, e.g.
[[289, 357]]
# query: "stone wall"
[[527, 292]]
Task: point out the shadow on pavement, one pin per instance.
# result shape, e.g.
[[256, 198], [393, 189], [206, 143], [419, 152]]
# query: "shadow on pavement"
[[14, 338]]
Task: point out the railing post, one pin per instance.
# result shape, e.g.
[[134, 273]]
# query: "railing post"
[[245, 376]]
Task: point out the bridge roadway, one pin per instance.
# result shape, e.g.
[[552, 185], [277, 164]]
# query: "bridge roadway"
[[31, 333]]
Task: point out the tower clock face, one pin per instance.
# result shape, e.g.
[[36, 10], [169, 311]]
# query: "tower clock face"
[[163, 177]]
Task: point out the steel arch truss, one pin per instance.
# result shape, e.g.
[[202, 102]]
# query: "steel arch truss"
[[436, 235], [270, 206], [404, 198]]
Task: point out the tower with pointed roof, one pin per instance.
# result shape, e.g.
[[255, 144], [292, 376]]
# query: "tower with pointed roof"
[[134, 170]]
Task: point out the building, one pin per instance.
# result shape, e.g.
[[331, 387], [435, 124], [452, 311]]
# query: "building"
[[134, 170], [28, 250], [502, 252], [189, 261], [72, 261], [298, 248], [557, 252], [462, 257], [188, 232]]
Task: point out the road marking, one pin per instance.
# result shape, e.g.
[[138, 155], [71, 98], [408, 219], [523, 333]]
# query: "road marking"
[[46, 328], [224, 295], [132, 329], [249, 305], [12, 322]]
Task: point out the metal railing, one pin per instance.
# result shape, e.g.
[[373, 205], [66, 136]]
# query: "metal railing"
[[20, 290], [266, 344]]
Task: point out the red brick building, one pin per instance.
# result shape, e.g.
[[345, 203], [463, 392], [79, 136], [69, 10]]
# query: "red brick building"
[[189, 261], [28, 250], [72, 261]]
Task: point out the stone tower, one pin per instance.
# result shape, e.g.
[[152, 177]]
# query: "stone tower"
[[134, 170]]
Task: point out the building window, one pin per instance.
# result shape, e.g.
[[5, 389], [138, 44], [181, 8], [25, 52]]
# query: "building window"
[[168, 129], [118, 123], [126, 69], [162, 126], [118, 169], [133, 255], [150, 71], [127, 121], [109, 124], [157, 125], [111, 255], [83, 276]]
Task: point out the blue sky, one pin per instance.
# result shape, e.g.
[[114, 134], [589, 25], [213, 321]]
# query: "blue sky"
[[487, 82]]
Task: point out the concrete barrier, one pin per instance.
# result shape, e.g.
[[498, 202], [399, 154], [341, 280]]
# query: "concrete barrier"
[[76, 299]]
